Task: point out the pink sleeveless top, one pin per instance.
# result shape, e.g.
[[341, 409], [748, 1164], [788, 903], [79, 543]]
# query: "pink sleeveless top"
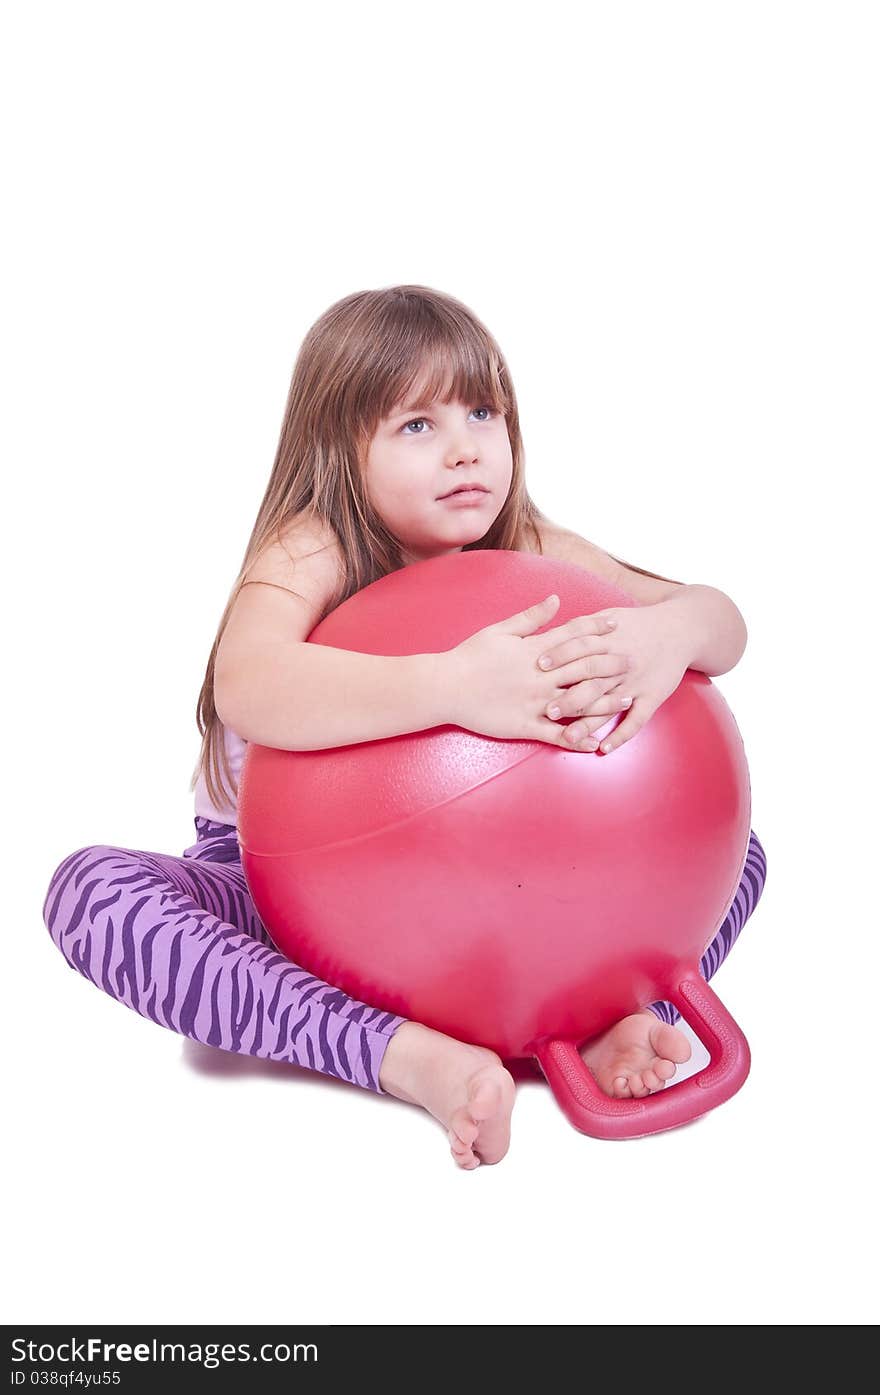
[[235, 747]]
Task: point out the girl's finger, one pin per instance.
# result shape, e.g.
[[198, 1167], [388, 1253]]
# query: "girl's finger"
[[578, 735], [629, 727], [572, 629], [568, 706], [569, 668]]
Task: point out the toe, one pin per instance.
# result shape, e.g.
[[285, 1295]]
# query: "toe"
[[484, 1099], [665, 1070], [652, 1080], [463, 1127], [670, 1043], [460, 1149], [620, 1087], [462, 1152]]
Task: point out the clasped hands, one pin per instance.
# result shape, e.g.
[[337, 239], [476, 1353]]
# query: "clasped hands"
[[647, 639]]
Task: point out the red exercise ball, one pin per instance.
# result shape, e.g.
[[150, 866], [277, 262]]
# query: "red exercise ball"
[[512, 894]]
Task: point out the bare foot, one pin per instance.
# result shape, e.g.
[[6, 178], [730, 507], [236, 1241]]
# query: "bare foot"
[[466, 1087], [636, 1056]]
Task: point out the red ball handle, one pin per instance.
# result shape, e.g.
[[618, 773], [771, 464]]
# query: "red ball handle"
[[593, 1112]]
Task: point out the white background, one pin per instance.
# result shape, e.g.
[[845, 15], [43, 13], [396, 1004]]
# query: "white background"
[[666, 214]]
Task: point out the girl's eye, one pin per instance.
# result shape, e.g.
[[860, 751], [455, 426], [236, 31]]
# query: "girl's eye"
[[417, 420]]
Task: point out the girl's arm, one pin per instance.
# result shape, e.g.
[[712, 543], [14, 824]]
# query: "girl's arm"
[[307, 697], [711, 627], [274, 689]]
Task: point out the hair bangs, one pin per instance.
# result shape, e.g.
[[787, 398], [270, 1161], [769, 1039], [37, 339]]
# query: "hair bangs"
[[444, 358]]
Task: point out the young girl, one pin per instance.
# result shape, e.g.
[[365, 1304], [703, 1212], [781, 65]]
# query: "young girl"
[[398, 398]]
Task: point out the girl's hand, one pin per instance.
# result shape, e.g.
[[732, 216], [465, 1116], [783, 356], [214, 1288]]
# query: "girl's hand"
[[492, 683], [658, 659]]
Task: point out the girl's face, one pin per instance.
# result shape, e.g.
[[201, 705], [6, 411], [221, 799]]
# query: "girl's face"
[[424, 451]]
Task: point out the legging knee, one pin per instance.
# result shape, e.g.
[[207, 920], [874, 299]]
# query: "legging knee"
[[68, 903], [180, 942]]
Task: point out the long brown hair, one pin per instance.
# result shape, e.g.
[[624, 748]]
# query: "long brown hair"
[[360, 359]]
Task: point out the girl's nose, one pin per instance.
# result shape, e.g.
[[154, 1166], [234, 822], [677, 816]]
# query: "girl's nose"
[[463, 452]]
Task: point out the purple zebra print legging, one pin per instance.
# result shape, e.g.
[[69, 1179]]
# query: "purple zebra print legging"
[[179, 940]]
